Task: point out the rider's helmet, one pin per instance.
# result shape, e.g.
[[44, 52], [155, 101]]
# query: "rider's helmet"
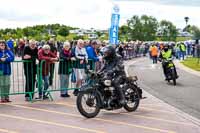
[[166, 47], [109, 53]]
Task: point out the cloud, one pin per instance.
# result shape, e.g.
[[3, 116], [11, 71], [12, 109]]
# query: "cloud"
[[168, 2], [78, 13], [91, 13], [173, 13]]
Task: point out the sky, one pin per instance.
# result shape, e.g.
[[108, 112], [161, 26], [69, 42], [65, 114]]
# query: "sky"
[[94, 13]]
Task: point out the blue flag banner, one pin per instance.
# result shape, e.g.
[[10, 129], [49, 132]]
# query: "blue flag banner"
[[113, 31]]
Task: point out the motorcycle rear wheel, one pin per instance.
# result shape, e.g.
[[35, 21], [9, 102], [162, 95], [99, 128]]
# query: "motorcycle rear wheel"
[[132, 96]]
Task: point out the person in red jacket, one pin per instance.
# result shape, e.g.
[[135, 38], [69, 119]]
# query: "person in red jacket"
[[49, 58], [53, 50]]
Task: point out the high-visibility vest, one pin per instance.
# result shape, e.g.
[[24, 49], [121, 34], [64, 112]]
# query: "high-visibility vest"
[[167, 55], [154, 51], [15, 44], [182, 47]]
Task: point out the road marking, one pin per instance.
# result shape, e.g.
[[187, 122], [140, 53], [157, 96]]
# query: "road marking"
[[98, 119], [50, 123], [146, 117], [148, 104], [139, 107], [138, 126], [157, 110], [6, 131], [159, 119]]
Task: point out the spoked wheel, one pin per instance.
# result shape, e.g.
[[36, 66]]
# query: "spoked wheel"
[[88, 104], [132, 99]]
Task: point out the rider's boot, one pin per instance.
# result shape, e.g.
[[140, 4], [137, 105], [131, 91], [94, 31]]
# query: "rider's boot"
[[122, 97]]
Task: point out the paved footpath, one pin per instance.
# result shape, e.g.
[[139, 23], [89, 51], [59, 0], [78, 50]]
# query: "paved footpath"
[[61, 116]]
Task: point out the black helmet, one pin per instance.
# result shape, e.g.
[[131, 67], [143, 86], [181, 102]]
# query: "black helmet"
[[166, 47], [109, 53]]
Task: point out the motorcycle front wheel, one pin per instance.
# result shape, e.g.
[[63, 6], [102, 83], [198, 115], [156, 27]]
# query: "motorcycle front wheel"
[[132, 99], [88, 104]]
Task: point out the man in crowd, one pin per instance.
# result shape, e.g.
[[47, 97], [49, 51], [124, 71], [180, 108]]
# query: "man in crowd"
[[154, 53], [30, 69], [53, 50]]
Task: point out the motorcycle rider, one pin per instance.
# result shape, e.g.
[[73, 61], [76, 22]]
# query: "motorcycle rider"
[[166, 54], [114, 69]]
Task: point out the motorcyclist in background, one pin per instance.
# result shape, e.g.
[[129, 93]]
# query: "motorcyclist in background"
[[114, 69], [166, 54]]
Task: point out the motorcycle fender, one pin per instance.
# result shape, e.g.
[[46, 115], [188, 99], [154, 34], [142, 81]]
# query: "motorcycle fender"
[[100, 97]]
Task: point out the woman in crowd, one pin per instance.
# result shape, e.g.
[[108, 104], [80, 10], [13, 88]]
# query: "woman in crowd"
[[6, 56], [82, 57], [65, 69]]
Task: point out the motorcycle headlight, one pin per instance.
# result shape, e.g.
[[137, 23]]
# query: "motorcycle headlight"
[[107, 82]]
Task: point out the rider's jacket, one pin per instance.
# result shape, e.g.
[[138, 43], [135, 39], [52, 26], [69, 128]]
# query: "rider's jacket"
[[166, 55], [114, 66]]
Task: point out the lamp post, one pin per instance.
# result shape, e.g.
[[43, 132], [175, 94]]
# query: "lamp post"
[[186, 20]]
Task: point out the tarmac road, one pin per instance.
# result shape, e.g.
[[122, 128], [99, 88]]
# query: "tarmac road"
[[185, 95]]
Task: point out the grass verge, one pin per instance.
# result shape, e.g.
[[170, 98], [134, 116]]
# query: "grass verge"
[[192, 63]]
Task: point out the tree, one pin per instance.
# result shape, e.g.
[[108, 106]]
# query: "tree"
[[142, 28], [71, 37], [99, 34], [167, 31], [63, 31], [195, 31], [104, 37], [37, 32], [135, 28], [60, 38], [150, 26], [124, 31]]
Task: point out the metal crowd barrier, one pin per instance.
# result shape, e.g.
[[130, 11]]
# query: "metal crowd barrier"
[[68, 69], [17, 80]]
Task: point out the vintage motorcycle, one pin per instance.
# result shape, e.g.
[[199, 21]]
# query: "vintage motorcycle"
[[98, 93]]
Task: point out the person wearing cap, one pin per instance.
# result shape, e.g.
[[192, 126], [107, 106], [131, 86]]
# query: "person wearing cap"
[[6, 57]]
